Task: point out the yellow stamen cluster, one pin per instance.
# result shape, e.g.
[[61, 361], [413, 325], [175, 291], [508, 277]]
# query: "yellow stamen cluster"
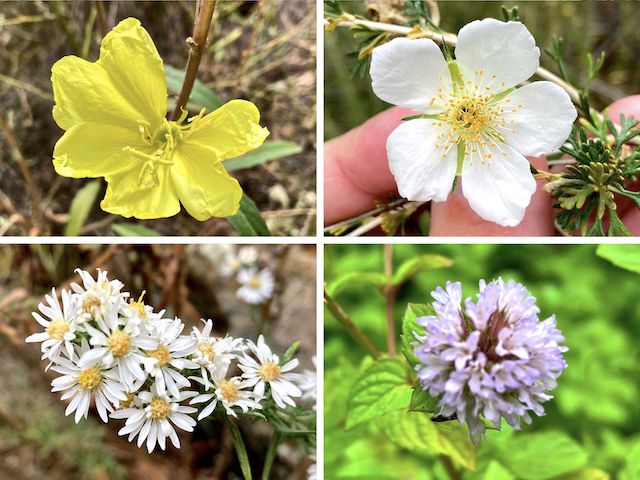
[[138, 307], [229, 391], [119, 343], [90, 378], [162, 354], [207, 351], [90, 303], [57, 328], [160, 408], [254, 282], [129, 401], [269, 371]]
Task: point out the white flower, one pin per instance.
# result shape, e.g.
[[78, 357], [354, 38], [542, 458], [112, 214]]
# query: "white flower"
[[138, 310], [268, 371], [256, 287], [154, 419], [169, 356], [81, 383], [213, 353], [476, 123], [308, 383], [96, 294], [234, 262], [60, 329]]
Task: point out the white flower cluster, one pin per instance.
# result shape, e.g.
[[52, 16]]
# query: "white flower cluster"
[[138, 366], [256, 286]]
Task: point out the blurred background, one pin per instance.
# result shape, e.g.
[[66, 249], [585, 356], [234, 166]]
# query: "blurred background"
[[262, 51], [37, 441], [595, 404], [609, 27]]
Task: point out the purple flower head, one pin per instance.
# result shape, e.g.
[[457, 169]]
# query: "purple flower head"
[[494, 359]]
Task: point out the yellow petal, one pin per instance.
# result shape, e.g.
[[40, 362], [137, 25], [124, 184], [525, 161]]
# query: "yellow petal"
[[95, 150], [203, 185], [125, 87], [230, 131], [127, 197]]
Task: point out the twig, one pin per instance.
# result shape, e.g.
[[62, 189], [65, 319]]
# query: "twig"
[[197, 44], [98, 224], [25, 86], [370, 213], [434, 12], [351, 327], [390, 297], [373, 223], [102, 23], [449, 467]]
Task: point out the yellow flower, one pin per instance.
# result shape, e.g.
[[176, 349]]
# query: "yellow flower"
[[114, 112]]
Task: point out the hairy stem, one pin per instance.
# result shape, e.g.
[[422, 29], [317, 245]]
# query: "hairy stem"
[[351, 327], [390, 298], [197, 44]]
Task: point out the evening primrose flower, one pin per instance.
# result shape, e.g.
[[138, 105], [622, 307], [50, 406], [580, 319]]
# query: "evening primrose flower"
[[475, 123], [495, 359], [113, 111]]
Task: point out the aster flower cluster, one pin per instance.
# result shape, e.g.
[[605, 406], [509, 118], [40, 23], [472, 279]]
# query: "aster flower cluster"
[[138, 366], [494, 359], [256, 285]]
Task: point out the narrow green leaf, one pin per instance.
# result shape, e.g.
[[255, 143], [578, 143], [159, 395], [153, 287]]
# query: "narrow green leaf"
[[380, 389], [81, 206], [356, 279], [201, 96], [271, 455], [291, 351], [623, 256], [410, 326], [423, 263], [248, 221], [421, 401], [264, 153], [241, 451], [133, 230]]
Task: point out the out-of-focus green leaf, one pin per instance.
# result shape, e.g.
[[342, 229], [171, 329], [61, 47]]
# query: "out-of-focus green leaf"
[[421, 401], [632, 468], [264, 153], [495, 471], [623, 256], [411, 326], [355, 280], [201, 96], [380, 389], [423, 263], [134, 230], [248, 221], [588, 474], [81, 206]]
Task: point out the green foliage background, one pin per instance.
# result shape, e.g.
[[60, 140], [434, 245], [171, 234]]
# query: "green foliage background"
[[591, 427]]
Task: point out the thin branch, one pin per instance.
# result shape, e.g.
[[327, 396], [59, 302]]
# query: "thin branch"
[[370, 213], [390, 298], [351, 327], [197, 44], [449, 467]]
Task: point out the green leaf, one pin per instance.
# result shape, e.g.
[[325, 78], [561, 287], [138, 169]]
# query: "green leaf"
[[421, 401], [411, 326], [133, 230], [264, 153], [380, 389], [356, 279], [291, 351], [542, 455], [495, 471], [590, 474], [201, 96], [632, 468], [417, 433], [81, 206], [241, 451], [423, 263], [248, 221], [623, 256], [271, 455]]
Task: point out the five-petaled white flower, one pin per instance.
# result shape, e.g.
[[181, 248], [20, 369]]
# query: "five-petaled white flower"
[[475, 123]]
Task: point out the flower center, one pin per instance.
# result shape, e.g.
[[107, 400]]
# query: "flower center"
[[207, 351], [129, 401], [254, 282], [489, 337], [160, 408], [162, 354], [57, 328], [90, 378], [138, 307], [269, 371], [90, 303], [119, 343], [470, 116], [229, 391]]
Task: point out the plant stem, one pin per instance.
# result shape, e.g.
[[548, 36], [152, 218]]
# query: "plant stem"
[[390, 297], [449, 467], [197, 44], [271, 454], [351, 327]]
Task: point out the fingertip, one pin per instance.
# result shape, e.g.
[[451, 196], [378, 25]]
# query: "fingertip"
[[627, 106]]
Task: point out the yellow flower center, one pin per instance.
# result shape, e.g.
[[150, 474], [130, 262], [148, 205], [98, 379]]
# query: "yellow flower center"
[[90, 303], [207, 351], [160, 408], [138, 307], [129, 401], [119, 343], [229, 391], [161, 354], [269, 371], [57, 328], [254, 282], [90, 378], [471, 117]]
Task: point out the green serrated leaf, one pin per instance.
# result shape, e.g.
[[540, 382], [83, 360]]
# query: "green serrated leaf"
[[201, 96], [411, 326], [133, 230], [380, 389], [421, 401], [623, 256], [241, 451], [264, 153], [291, 351], [81, 206], [423, 263], [248, 221], [356, 279]]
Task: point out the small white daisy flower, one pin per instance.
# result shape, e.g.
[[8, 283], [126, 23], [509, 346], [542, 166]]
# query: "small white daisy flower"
[[140, 311], [476, 124], [170, 356], [95, 294], [308, 383], [154, 419], [255, 287], [214, 353], [233, 261], [267, 371], [82, 383], [60, 328]]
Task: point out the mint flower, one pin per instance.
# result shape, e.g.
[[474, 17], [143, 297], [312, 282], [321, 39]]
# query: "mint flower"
[[475, 123], [495, 359]]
